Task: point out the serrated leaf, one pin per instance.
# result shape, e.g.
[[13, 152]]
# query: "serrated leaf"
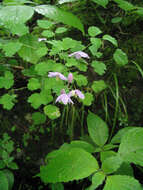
[[7, 101], [110, 39], [120, 57], [81, 80], [125, 5], [11, 48], [3, 181], [84, 145], [11, 16], [87, 101], [122, 182], [97, 179], [7, 81], [33, 84], [52, 111], [60, 15], [46, 24], [98, 86], [117, 138], [60, 30], [131, 147], [94, 31], [38, 118], [99, 67], [103, 3], [73, 164], [97, 128], [30, 46], [111, 164], [48, 33]]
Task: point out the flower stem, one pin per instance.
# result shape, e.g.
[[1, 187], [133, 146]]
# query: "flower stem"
[[72, 124]]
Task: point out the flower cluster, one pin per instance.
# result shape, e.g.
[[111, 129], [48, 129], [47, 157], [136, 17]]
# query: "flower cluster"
[[66, 98]]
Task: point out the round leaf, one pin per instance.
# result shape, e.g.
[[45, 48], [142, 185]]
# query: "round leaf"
[[52, 111]]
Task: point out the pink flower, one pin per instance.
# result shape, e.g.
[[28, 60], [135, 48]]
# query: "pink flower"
[[41, 39], [79, 54], [76, 93], [64, 98], [70, 78], [57, 74]]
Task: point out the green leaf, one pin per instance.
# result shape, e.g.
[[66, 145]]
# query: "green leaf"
[[87, 101], [97, 179], [48, 33], [30, 46], [111, 164], [11, 48], [116, 20], [121, 182], [94, 31], [11, 16], [84, 145], [2, 164], [131, 147], [52, 111], [68, 165], [7, 101], [45, 24], [98, 86], [38, 118], [60, 30], [60, 15], [110, 39], [103, 3], [117, 138], [81, 80], [3, 181], [97, 128], [96, 44], [107, 154], [66, 1], [125, 5], [19, 29], [10, 177], [99, 67], [13, 166], [125, 169], [120, 57], [7, 81], [33, 84]]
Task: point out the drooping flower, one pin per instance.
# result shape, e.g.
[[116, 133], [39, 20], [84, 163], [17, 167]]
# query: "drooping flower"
[[70, 78], [57, 74], [76, 93], [79, 54], [64, 98], [41, 39]]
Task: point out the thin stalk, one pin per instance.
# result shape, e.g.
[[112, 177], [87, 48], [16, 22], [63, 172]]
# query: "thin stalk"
[[139, 68], [62, 121], [82, 120], [67, 113], [53, 131], [116, 106], [72, 124]]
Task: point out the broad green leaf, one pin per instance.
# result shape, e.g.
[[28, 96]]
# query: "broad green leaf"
[[97, 179], [87, 101], [98, 86], [33, 84], [96, 44], [14, 2], [2, 164], [13, 166], [7, 101], [103, 3], [73, 62], [73, 164], [120, 57], [60, 15], [10, 178], [57, 186], [116, 20], [97, 128], [107, 154], [99, 67], [117, 138], [11, 16], [38, 118], [3, 181], [131, 147], [11, 48], [84, 145], [48, 33], [81, 80], [60, 30], [52, 111], [42, 51], [19, 29], [94, 31], [125, 5], [111, 164], [121, 182], [125, 169], [7, 81], [30, 46], [110, 39], [46, 24]]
